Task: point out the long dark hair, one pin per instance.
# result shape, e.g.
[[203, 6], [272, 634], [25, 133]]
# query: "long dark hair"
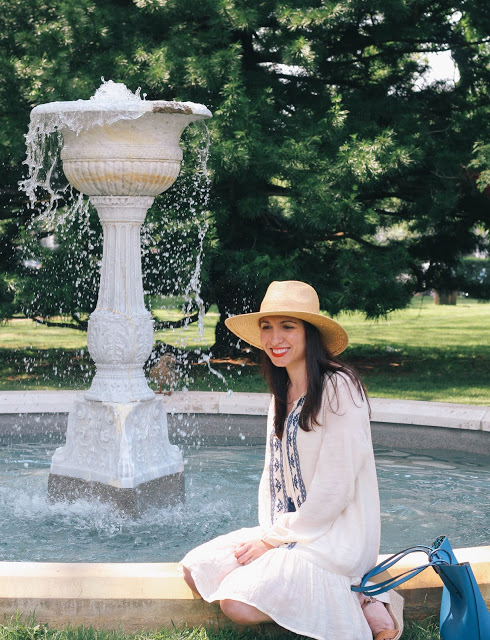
[[319, 365]]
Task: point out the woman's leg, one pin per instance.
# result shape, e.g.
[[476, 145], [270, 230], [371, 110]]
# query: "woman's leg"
[[190, 581], [242, 613]]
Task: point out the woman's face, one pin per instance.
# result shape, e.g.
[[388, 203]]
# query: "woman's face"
[[283, 340]]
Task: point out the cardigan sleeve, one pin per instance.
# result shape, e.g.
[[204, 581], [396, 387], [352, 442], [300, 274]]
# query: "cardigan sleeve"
[[346, 444]]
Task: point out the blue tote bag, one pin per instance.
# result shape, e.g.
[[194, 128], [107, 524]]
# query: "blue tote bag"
[[464, 615]]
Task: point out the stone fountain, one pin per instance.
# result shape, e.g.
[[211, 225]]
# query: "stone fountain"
[[121, 151]]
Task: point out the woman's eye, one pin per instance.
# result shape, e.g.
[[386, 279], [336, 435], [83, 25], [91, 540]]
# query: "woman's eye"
[[289, 326]]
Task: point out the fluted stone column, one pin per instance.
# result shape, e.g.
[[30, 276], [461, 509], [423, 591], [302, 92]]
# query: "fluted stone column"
[[120, 330]]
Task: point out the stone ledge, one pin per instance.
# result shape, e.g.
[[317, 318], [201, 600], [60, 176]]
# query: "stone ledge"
[[408, 412], [136, 596]]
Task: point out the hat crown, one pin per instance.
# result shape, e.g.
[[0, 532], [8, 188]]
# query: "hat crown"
[[290, 295]]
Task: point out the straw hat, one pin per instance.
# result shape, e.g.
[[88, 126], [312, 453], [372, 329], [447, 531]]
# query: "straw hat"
[[296, 300]]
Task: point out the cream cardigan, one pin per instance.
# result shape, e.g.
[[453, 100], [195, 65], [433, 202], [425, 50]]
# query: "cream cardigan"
[[330, 475]]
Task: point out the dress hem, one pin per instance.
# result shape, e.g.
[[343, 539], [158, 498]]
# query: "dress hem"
[[240, 598], [284, 626]]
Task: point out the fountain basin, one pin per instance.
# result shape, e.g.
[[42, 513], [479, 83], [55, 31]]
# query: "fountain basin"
[[418, 466], [134, 596], [149, 596], [128, 157]]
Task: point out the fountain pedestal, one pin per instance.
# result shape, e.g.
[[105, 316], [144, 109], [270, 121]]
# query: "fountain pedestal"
[[117, 447]]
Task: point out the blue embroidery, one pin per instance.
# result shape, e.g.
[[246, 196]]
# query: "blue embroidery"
[[280, 501], [293, 456], [277, 486]]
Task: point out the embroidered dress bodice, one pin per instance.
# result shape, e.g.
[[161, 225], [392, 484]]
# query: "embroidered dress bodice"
[[288, 491]]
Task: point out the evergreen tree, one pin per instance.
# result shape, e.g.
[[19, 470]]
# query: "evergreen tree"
[[330, 159]]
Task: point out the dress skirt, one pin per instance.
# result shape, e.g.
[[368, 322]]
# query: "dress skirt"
[[295, 593]]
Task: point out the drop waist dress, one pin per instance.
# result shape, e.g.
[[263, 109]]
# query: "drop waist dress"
[[319, 508]]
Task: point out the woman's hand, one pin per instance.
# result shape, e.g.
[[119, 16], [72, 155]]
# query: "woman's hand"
[[248, 551]]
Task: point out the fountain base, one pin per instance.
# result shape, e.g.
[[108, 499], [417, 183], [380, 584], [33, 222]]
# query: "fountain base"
[[119, 453], [160, 492]]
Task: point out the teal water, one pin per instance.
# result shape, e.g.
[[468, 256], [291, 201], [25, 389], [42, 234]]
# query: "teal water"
[[422, 496]]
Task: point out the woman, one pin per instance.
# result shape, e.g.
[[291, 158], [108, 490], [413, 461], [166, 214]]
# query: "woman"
[[319, 519]]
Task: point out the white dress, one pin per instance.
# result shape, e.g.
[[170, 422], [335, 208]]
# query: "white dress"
[[319, 508]]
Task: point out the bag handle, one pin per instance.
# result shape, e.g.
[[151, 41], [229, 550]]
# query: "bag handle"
[[389, 562], [396, 581], [391, 583]]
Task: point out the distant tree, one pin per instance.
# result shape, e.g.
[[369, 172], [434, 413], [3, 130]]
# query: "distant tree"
[[330, 159]]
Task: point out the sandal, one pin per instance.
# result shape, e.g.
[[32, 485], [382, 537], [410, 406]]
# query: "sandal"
[[395, 609]]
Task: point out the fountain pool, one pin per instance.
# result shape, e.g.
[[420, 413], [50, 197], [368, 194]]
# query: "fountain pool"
[[221, 495]]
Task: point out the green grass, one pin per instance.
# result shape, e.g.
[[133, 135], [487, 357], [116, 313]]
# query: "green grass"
[[16, 629], [424, 352]]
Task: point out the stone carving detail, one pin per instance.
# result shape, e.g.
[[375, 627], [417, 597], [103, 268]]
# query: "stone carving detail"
[[119, 338], [121, 445], [122, 208], [121, 177], [133, 151]]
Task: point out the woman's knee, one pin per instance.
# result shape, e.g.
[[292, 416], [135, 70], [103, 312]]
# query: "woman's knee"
[[234, 610], [242, 613]]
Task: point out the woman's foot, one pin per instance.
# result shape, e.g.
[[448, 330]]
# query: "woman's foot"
[[378, 618]]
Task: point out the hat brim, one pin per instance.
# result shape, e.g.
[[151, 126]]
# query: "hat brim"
[[246, 327]]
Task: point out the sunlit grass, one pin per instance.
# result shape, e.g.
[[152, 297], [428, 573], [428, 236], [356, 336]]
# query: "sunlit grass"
[[191, 336], [424, 352], [424, 325], [20, 333], [16, 629]]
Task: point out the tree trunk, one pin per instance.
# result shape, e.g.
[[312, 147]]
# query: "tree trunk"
[[445, 297], [231, 301], [226, 343]]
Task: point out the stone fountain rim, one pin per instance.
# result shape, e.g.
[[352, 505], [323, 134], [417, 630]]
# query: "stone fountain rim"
[[131, 108]]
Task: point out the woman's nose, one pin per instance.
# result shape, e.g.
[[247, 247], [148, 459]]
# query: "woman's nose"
[[276, 337]]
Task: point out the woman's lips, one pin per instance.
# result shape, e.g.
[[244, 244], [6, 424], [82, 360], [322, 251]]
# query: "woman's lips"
[[278, 353]]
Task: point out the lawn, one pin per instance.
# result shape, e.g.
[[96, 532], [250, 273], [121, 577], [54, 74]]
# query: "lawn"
[[17, 630], [424, 352]]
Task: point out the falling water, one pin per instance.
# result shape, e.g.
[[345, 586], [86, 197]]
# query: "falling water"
[[172, 236]]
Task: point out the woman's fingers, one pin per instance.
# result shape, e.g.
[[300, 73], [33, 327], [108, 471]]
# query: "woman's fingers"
[[248, 551], [242, 548], [242, 552]]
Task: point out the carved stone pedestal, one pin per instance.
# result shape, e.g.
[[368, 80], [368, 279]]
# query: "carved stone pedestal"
[[118, 453]]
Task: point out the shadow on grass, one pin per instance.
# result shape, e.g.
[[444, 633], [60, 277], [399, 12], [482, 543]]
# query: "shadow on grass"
[[444, 374]]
